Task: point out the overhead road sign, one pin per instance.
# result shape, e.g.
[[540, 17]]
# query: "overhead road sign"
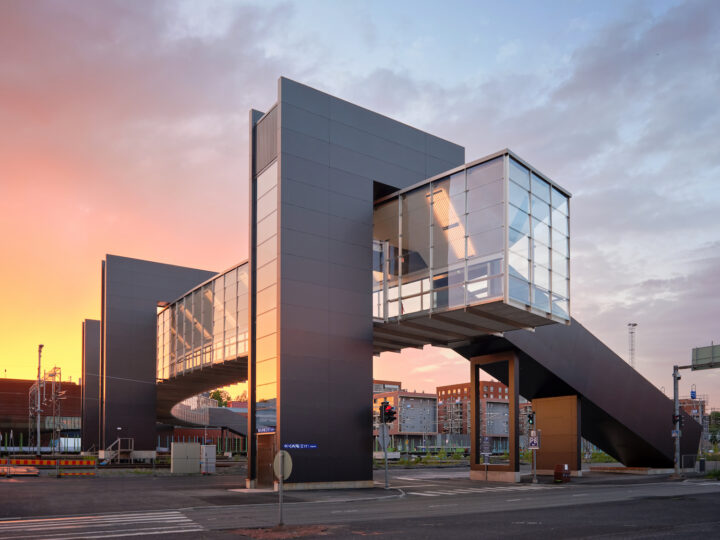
[[706, 357]]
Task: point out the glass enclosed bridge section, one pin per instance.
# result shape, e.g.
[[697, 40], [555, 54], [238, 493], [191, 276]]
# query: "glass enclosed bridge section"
[[202, 340], [481, 249]]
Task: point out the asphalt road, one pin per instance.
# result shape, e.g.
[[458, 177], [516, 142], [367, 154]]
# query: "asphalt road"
[[421, 503]]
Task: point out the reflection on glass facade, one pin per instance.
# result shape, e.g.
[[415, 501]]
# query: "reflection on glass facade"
[[493, 231], [209, 325], [266, 325]]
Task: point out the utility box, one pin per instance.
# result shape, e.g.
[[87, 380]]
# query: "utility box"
[[207, 458], [185, 458]]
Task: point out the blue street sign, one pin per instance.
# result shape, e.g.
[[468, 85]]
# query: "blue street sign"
[[300, 446], [693, 394], [533, 443]]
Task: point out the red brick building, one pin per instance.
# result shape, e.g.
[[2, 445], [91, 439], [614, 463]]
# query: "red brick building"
[[454, 404], [14, 410]]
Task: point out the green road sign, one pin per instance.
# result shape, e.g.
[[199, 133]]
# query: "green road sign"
[[706, 357]]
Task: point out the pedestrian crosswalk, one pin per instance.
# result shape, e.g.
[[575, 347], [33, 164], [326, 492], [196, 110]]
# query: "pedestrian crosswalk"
[[171, 522], [469, 490]]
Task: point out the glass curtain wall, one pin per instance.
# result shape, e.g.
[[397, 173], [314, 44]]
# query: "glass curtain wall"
[[442, 245], [266, 325], [208, 325], [539, 244]]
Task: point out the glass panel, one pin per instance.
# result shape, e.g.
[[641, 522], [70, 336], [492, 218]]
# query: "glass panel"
[[386, 223], [541, 276], [484, 196], [559, 201], [540, 188], [519, 174], [266, 323], [265, 393], [266, 371], [484, 244], [416, 235], [519, 243], [541, 254], [456, 183], [540, 210], [485, 173], [267, 275], [393, 308], [560, 243], [518, 266], [560, 285], [411, 305], [560, 307], [267, 180], [519, 197], [559, 263], [267, 203], [559, 222], [456, 296], [482, 290], [518, 220], [541, 299], [266, 299], [448, 226], [541, 231], [267, 228], [519, 290], [477, 270], [485, 220]]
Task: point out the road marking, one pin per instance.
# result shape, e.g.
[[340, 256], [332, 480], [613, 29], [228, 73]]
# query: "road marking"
[[441, 505], [99, 526], [512, 500], [343, 511], [579, 494], [425, 476], [462, 491]]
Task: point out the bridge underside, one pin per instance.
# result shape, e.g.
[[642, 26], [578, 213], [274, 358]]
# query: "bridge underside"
[[621, 412], [174, 390], [452, 328]]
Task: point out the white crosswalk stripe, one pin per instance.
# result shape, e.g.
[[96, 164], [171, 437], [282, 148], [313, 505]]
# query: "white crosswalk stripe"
[[99, 526], [462, 491]]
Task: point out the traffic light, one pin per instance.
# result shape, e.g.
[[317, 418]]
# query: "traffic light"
[[383, 407], [390, 414], [531, 418], [677, 419]]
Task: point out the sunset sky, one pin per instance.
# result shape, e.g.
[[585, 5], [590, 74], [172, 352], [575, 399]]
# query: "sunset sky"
[[123, 130]]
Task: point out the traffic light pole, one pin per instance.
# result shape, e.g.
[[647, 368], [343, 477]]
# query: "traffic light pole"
[[676, 409], [385, 439]]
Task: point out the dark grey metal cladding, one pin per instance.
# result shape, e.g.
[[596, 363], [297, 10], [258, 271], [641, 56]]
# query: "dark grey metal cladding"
[[131, 290], [90, 389], [621, 411], [331, 153]]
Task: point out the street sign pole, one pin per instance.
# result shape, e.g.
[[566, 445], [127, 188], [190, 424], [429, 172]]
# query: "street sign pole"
[[282, 472], [280, 491]]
